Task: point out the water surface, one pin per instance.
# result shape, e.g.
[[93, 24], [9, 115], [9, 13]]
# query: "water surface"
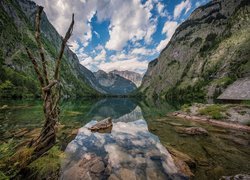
[[222, 152]]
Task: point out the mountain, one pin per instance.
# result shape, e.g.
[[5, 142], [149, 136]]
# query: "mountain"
[[114, 84], [136, 78], [208, 52], [17, 76]]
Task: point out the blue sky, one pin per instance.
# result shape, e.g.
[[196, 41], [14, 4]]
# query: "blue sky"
[[119, 34]]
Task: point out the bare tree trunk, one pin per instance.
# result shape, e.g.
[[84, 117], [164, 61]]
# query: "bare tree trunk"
[[50, 92]]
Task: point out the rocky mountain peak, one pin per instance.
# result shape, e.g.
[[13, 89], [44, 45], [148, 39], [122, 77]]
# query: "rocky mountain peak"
[[136, 78]]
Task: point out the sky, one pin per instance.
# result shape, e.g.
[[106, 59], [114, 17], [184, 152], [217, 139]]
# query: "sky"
[[118, 34]]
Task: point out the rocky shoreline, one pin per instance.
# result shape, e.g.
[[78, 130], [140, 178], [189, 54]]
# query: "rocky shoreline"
[[213, 122]]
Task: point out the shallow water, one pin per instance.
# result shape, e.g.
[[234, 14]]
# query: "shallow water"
[[222, 152]]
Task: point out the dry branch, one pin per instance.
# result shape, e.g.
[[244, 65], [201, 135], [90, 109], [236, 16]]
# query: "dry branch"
[[39, 44], [39, 75], [64, 41]]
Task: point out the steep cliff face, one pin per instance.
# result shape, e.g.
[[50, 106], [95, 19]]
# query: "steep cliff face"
[[17, 77], [208, 51], [114, 84], [136, 78]]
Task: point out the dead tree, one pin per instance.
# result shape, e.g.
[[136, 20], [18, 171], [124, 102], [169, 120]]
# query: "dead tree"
[[50, 90]]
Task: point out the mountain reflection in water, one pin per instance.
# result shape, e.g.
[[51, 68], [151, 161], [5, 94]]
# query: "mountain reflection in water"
[[129, 151]]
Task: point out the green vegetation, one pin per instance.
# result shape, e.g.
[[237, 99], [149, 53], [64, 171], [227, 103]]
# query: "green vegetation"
[[17, 77], [196, 42], [48, 165], [215, 111], [189, 94], [185, 108]]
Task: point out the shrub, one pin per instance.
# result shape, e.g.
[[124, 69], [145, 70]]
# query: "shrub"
[[214, 111]]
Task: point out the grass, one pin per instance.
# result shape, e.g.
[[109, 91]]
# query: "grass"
[[186, 108], [214, 111], [49, 164]]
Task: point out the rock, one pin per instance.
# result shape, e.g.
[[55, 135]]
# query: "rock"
[[126, 174], [113, 177], [89, 166], [114, 84], [192, 131], [182, 161], [136, 78], [152, 128], [98, 167], [236, 177], [184, 157], [153, 174], [101, 125]]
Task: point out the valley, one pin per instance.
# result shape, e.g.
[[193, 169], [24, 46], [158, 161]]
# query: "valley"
[[175, 112]]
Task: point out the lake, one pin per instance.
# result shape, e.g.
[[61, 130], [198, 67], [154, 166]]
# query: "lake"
[[139, 127]]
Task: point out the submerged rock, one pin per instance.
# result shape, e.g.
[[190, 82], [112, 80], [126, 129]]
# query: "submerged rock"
[[184, 162], [236, 177], [192, 130], [130, 151], [88, 167]]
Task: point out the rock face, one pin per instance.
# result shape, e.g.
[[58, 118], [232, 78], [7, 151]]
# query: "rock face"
[[114, 84], [136, 78], [17, 75], [239, 90], [130, 151], [207, 52]]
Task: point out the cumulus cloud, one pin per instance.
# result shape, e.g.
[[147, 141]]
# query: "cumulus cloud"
[[59, 13], [179, 8], [132, 65], [132, 24], [143, 51], [101, 56], [129, 20], [160, 9], [168, 29]]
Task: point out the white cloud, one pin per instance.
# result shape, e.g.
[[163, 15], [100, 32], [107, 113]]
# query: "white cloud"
[[59, 13], [168, 29], [161, 11], [87, 61], [98, 35], [179, 8], [74, 46], [132, 65], [121, 56], [101, 56], [143, 51], [129, 20]]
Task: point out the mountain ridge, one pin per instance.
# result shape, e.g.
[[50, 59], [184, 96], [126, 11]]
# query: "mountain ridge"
[[17, 18], [114, 84], [207, 52], [135, 77]]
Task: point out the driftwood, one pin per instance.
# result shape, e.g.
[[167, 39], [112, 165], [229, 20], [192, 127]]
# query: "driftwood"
[[212, 122], [102, 125]]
